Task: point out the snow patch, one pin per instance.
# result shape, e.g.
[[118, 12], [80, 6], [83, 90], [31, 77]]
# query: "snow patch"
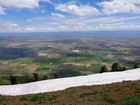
[[64, 83]]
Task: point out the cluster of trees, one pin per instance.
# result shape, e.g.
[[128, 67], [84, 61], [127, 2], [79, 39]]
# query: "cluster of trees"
[[13, 80], [33, 78], [116, 67], [36, 77]]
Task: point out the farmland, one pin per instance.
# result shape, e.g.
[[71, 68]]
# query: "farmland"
[[58, 55]]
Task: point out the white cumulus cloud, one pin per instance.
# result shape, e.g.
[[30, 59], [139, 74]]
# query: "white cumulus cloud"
[[20, 3], [120, 6], [82, 10]]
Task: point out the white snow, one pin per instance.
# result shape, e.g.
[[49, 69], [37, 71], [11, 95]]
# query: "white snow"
[[63, 83]]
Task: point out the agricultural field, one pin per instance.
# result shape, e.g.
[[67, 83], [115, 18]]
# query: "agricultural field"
[[58, 55]]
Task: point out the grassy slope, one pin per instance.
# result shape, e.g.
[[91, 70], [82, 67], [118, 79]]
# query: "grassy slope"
[[126, 93]]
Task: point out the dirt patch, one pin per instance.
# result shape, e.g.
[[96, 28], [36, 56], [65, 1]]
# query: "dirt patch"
[[14, 45], [32, 67]]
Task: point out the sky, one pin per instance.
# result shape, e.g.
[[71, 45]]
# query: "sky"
[[69, 15]]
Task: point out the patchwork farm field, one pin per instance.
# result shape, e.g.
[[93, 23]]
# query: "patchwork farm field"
[[58, 55]]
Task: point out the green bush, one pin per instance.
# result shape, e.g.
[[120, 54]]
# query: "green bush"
[[95, 92], [130, 100], [24, 98], [37, 97], [52, 98], [109, 98], [103, 69], [85, 94]]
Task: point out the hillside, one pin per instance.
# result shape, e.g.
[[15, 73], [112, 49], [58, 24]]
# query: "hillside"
[[125, 93], [63, 83]]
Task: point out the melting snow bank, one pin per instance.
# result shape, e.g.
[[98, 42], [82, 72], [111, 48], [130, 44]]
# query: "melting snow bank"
[[63, 83]]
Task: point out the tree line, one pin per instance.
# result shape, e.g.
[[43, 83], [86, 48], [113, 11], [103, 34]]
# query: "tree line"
[[35, 76], [116, 67]]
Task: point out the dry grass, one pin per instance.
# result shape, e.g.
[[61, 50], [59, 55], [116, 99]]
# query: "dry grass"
[[112, 94]]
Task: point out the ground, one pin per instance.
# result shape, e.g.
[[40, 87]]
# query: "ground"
[[64, 55], [125, 93]]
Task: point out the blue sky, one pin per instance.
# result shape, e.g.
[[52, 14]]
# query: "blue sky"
[[69, 15]]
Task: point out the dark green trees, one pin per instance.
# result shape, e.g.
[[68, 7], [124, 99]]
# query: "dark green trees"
[[135, 66], [45, 77], [103, 69], [13, 80], [116, 67], [36, 76], [124, 68]]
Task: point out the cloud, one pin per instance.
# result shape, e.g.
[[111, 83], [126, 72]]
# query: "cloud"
[[120, 6], [53, 24], [82, 10], [83, 17], [82, 24], [118, 26], [20, 3], [2, 10], [10, 27], [57, 15], [49, 1]]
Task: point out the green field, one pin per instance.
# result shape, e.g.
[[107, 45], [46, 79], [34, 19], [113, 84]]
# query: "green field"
[[62, 56]]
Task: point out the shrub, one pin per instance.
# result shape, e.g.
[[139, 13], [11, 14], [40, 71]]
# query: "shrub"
[[13, 80], [52, 98], [109, 98], [36, 76], [85, 94], [130, 100], [116, 67], [37, 97], [24, 98], [45, 77], [124, 68], [135, 66], [103, 69]]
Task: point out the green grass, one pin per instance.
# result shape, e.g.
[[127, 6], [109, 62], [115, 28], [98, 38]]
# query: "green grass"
[[104, 95], [35, 98], [43, 68], [39, 97], [109, 98], [52, 98], [85, 94], [5, 101], [95, 94], [130, 100], [48, 61], [96, 67], [25, 98], [4, 79], [21, 61], [67, 60]]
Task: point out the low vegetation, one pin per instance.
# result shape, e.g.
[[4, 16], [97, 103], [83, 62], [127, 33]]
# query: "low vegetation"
[[125, 93], [63, 73]]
